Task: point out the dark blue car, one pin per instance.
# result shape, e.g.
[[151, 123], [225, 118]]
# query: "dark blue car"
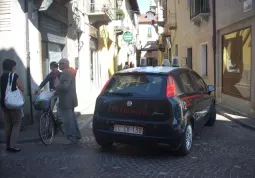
[[165, 105]]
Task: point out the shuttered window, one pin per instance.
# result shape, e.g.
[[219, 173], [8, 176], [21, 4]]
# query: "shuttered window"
[[5, 15], [52, 30]]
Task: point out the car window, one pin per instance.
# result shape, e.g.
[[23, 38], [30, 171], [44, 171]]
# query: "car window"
[[186, 83], [139, 85], [199, 82]]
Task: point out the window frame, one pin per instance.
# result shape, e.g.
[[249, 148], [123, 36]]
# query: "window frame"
[[204, 61], [180, 84], [222, 65], [149, 32], [162, 91], [199, 6], [176, 50], [150, 15], [194, 75]]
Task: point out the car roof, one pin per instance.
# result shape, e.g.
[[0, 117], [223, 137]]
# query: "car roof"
[[150, 69]]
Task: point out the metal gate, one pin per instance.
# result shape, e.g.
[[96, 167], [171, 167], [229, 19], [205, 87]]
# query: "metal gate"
[[52, 30], [53, 24]]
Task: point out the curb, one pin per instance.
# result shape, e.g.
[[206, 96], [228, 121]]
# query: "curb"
[[36, 140], [243, 124]]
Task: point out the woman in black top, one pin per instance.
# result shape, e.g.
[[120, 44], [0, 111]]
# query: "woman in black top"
[[11, 116]]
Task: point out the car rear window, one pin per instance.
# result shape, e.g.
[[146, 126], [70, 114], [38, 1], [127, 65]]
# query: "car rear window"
[[145, 85]]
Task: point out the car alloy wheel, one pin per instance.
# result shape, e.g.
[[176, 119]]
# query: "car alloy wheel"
[[188, 137]]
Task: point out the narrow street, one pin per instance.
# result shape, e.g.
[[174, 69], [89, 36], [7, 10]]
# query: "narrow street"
[[225, 150]]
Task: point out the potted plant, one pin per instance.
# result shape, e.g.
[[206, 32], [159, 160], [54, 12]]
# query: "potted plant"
[[120, 14]]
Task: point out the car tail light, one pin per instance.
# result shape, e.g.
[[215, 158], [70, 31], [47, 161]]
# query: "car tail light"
[[170, 87], [106, 84]]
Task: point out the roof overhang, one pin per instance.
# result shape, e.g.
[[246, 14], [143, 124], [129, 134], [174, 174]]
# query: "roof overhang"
[[63, 1], [134, 6], [149, 49]]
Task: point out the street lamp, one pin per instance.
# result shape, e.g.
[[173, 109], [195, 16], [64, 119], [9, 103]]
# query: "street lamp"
[[119, 3]]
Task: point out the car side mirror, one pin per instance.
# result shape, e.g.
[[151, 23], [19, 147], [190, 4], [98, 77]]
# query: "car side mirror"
[[211, 88]]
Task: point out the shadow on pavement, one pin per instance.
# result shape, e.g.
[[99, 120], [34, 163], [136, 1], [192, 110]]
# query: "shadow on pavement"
[[223, 133], [151, 150], [31, 135], [247, 121]]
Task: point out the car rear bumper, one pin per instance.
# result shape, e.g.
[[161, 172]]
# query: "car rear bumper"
[[157, 132]]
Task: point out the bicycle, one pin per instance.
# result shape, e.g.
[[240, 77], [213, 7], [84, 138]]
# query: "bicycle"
[[49, 123]]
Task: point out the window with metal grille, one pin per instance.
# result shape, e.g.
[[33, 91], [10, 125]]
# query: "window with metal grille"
[[199, 7]]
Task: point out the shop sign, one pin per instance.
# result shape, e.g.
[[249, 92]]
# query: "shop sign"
[[128, 37], [44, 5]]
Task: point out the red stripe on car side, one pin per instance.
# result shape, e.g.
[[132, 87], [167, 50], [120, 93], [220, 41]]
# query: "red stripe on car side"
[[187, 98]]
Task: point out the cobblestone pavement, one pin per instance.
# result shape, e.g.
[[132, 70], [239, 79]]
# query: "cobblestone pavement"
[[225, 150]]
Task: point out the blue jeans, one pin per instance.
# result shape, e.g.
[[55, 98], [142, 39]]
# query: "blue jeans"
[[70, 124]]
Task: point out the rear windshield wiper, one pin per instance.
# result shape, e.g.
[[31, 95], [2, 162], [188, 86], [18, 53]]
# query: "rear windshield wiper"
[[119, 94]]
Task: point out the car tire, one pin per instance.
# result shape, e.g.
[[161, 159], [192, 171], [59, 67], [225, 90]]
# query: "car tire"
[[104, 143], [212, 117], [186, 142]]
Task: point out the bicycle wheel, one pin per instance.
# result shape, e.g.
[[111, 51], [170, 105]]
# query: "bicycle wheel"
[[46, 128]]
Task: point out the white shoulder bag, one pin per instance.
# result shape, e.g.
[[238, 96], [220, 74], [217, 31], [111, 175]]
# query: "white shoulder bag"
[[13, 99]]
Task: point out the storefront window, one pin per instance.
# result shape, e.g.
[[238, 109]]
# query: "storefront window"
[[50, 52], [237, 64]]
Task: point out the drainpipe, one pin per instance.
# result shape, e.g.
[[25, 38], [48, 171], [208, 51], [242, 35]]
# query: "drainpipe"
[[29, 90], [214, 39]]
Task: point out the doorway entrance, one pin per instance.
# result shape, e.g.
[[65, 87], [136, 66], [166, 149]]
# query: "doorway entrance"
[[189, 58]]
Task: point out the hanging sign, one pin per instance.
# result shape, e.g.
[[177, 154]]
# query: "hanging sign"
[[128, 37], [44, 4]]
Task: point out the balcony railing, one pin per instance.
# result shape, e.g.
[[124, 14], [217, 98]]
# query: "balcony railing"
[[198, 7], [118, 14], [100, 8]]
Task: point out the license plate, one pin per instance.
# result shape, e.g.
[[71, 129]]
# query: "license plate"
[[128, 129]]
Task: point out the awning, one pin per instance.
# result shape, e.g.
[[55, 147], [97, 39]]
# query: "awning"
[[134, 6], [150, 46]]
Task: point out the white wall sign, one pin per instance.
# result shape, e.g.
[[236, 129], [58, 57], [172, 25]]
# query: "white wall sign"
[[247, 5], [45, 4]]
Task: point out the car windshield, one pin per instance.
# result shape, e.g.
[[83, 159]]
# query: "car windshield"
[[137, 85]]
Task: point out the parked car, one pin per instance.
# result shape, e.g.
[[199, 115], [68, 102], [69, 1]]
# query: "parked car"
[[167, 105]]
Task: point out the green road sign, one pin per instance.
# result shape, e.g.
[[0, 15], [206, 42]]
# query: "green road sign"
[[128, 37]]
